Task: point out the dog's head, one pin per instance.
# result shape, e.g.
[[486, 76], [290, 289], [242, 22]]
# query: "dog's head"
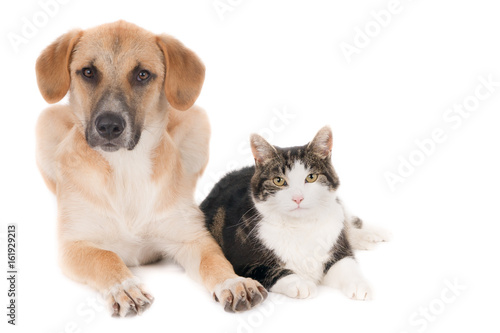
[[119, 77]]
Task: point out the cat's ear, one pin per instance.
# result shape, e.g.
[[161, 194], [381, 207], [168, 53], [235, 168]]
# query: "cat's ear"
[[261, 149], [322, 143]]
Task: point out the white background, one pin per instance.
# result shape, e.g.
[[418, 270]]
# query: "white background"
[[264, 57]]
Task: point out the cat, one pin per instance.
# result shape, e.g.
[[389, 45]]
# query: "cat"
[[280, 222]]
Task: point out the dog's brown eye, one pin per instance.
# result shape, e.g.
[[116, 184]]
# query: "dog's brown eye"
[[87, 72], [143, 76]]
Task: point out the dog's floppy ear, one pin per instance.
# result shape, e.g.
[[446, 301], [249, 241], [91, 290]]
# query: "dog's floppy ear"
[[52, 67], [184, 73]]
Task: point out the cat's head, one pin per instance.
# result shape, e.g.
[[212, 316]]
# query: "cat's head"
[[296, 181]]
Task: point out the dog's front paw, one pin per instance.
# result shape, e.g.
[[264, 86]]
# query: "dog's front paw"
[[128, 298], [239, 294], [294, 286]]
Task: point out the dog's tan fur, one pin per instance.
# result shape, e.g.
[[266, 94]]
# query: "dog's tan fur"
[[131, 206]]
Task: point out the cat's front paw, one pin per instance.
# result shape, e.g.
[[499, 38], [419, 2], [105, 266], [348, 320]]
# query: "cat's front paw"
[[239, 294], [294, 286], [368, 237], [358, 290]]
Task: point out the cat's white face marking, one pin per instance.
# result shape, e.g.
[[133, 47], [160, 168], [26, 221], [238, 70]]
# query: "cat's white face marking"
[[301, 234], [299, 198]]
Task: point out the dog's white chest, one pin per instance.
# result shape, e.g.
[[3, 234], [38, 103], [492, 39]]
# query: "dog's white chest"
[[135, 195], [304, 247]]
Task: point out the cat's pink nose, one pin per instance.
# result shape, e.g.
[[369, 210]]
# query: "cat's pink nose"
[[298, 199]]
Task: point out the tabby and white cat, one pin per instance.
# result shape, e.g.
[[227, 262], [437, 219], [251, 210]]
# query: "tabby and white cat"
[[282, 223]]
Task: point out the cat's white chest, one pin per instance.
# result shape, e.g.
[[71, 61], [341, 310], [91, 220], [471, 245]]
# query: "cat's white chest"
[[304, 246]]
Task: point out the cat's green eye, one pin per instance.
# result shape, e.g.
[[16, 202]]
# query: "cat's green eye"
[[311, 178], [278, 181]]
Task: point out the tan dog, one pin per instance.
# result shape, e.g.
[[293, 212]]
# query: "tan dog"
[[123, 160]]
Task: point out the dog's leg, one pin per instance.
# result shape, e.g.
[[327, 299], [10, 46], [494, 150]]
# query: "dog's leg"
[[201, 256], [233, 292], [207, 263], [106, 272]]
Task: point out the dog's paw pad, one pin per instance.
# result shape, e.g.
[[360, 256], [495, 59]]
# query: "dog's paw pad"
[[239, 294], [128, 298]]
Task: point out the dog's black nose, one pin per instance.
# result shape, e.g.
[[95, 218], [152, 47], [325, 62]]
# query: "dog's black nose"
[[109, 125]]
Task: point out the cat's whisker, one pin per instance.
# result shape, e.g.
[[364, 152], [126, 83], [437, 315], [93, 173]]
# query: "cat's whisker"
[[248, 235], [240, 222]]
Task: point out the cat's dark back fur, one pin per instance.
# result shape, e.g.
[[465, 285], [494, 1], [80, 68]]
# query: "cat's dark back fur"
[[230, 216]]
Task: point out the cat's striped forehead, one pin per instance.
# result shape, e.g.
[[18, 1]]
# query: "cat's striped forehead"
[[284, 162], [290, 156]]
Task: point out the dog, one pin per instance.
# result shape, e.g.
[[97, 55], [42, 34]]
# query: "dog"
[[123, 157]]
